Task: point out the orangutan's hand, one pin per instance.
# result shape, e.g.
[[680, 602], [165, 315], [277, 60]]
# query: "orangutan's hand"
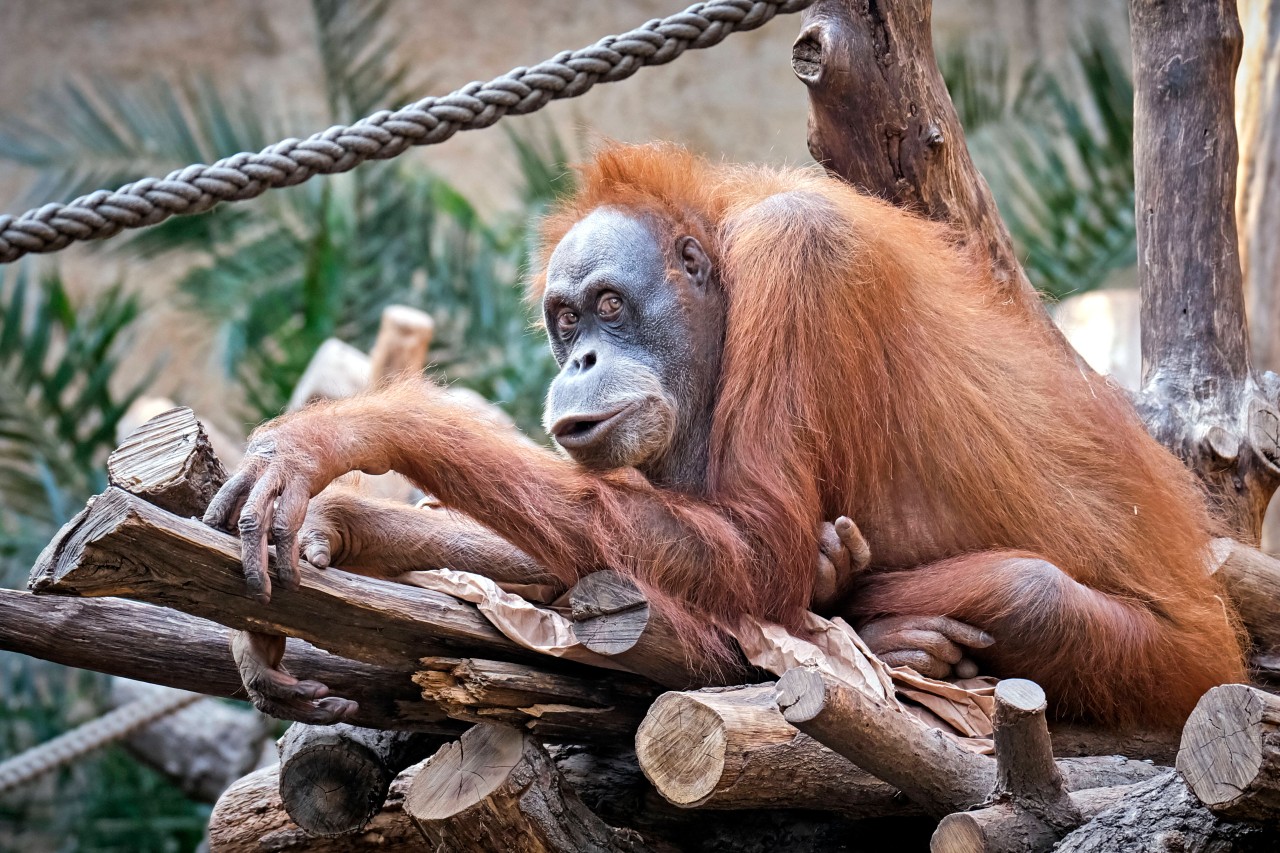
[[842, 555], [275, 692], [287, 462], [931, 645]]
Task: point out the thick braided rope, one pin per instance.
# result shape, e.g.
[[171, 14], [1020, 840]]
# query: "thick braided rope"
[[384, 134], [95, 734]]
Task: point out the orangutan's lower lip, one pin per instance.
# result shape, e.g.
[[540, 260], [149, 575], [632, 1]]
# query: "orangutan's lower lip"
[[576, 431]]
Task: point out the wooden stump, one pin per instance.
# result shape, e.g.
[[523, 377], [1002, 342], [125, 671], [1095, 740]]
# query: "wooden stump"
[[497, 789], [1230, 755]]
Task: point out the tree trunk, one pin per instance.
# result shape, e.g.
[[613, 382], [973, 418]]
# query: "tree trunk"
[[1200, 397]]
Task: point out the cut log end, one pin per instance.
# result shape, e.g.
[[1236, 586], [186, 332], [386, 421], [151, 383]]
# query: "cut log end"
[[335, 788], [465, 772], [610, 613], [1230, 753], [683, 776], [801, 695]]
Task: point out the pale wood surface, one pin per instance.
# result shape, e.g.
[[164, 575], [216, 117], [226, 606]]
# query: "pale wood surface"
[[1230, 755]]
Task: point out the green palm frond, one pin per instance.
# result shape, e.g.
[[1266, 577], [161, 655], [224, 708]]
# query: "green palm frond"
[[1059, 160], [58, 412]]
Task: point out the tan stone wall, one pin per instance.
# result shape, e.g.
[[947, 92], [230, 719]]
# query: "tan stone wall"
[[739, 100]]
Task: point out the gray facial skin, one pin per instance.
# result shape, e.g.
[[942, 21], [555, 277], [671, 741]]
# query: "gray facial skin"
[[637, 327]]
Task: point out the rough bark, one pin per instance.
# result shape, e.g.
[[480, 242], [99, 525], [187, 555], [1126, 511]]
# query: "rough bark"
[[165, 647], [250, 818], [1252, 580], [1258, 178], [334, 779], [613, 616], [730, 748], [122, 546], [549, 705], [1008, 828], [1163, 815], [1230, 755], [498, 789], [1200, 396], [881, 119]]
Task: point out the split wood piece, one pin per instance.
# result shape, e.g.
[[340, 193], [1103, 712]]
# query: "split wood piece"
[[497, 789], [169, 462], [404, 336], [613, 616], [730, 748], [1252, 580], [250, 818], [1230, 755], [334, 779], [881, 119], [123, 546], [1200, 396], [931, 768], [549, 705], [162, 646]]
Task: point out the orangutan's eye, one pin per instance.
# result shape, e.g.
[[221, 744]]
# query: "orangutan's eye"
[[609, 306], [566, 322]]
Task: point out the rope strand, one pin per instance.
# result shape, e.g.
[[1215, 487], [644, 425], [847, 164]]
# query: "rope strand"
[[383, 135]]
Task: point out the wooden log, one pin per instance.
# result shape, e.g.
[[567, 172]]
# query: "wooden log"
[[1162, 815], [404, 336], [250, 818], [166, 647], [934, 770], [1230, 755], [1252, 580], [334, 779], [1200, 396], [122, 546], [730, 748], [497, 789], [881, 119], [1007, 828], [1074, 740], [613, 616], [1025, 771], [169, 462], [549, 705]]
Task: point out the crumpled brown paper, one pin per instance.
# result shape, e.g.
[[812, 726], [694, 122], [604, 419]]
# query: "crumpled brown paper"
[[963, 708]]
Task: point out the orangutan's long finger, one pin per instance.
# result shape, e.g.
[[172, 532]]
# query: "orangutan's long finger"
[[830, 546], [224, 509], [921, 662], [291, 512], [961, 632], [255, 521], [931, 642], [854, 543], [966, 668]]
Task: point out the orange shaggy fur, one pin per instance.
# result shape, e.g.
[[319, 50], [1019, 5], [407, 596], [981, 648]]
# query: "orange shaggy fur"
[[871, 370]]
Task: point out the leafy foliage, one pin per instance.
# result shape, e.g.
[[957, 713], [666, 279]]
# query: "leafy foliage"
[[58, 413], [1058, 151]]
